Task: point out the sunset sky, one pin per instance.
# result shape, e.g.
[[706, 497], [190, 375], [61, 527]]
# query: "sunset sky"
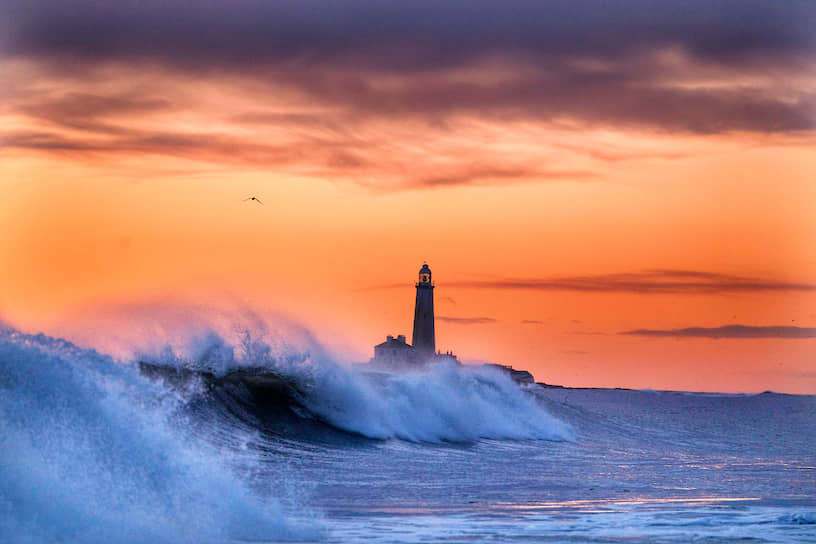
[[603, 190]]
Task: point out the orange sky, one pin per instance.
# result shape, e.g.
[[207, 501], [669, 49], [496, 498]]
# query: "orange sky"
[[123, 182]]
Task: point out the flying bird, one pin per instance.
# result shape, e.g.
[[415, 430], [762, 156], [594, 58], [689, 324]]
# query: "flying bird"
[[255, 198]]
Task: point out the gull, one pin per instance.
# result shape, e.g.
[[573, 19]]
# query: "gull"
[[255, 198]]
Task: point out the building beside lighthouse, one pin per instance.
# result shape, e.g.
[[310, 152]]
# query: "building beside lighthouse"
[[395, 351]]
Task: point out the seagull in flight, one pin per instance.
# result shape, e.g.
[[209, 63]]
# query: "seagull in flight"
[[255, 198]]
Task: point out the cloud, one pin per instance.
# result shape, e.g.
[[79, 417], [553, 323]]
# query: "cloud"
[[488, 175], [730, 331], [72, 108], [201, 146], [400, 96], [647, 283], [466, 320], [531, 322], [612, 155], [699, 66], [418, 36]]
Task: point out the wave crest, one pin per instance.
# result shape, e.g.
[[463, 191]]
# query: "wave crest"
[[439, 402]]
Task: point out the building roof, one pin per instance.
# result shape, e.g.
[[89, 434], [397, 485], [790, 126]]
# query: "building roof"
[[392, 342]]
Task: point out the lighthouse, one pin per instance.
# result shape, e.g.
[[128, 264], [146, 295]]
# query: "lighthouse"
[[396, 353], [424, 338]]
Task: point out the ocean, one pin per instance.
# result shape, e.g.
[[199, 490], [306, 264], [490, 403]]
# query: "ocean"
[[251, 443]]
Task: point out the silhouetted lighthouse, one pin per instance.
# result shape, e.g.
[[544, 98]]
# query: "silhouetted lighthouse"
[[424, 338]]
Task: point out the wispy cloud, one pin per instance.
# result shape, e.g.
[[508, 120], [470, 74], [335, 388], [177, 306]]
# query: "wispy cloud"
[[490, 175], [312, 139], [730, 331], [466, 320], [610, 154]]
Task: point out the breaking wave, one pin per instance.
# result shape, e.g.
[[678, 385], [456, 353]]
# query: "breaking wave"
[[440, 402], [88, 454]]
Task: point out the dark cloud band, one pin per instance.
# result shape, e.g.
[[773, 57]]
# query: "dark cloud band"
[[466, 320], [730, 331], [648, 282], [421, 35], [600, 62]]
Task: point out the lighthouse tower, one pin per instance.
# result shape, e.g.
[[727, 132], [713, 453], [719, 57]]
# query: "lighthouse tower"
[[424, 338]]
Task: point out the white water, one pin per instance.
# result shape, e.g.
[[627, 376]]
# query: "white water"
[[87, 455], [443, 402], [90, 451]]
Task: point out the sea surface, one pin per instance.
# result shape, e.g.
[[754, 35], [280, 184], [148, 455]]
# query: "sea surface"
[[253, 444]]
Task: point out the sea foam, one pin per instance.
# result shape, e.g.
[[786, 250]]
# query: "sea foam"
[[441, 402], [87, 455]]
